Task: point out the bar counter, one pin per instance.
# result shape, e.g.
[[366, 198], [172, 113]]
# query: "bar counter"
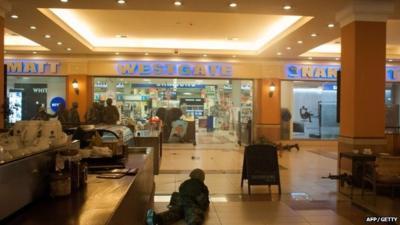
[[121, 201]]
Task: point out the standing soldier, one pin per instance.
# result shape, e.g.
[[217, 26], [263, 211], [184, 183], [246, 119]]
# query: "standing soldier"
[[111, 114], [74, 114], [62, 113]]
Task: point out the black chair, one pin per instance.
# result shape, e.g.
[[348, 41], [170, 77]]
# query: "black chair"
[[260, 166]]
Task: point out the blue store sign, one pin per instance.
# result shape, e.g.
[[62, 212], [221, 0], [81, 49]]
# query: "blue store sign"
[[327, 72], [55, 102]]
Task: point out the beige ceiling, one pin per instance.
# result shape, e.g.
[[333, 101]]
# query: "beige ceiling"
[[332, 48], [195, 20]]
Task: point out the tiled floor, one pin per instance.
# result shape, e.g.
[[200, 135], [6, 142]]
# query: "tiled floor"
[[306, 198]]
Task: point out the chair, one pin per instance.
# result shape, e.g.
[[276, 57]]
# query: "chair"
[[260, 166], [385, 172]]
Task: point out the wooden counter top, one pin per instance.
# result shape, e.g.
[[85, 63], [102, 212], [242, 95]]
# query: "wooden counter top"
[[103, 201]]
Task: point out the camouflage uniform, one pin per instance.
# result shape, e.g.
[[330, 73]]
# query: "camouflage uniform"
[[190, 203]]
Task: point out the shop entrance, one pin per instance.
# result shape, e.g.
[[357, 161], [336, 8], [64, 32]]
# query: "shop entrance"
[[199, 111]]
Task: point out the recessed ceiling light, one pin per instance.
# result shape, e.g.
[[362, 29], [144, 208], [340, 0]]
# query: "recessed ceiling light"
[[69, 49], [177, 3], [121, 2], [117, 53], [314, 35], [146, 53], [34, 53], [299, 42], [233, 4], [59, 43], [121, 36], [288, 48], [32, 27], [205, 55], [287, 7], [47, 36], [331, 25], [310, 58], [14, 16], [337, 58], [390, 60], [64, 1], [279, 53], [234, 56]]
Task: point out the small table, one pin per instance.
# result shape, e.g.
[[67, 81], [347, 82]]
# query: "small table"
[[357, 159]]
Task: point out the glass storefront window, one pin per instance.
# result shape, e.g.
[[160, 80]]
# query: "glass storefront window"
[[214, 105], [26, 94], [309, 110]]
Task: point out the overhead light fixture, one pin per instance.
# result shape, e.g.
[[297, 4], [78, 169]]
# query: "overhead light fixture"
[[75, 86], [331, 25], [390, 60], [146, 53], [272, 89], [233, 4], [287, 7], [288, 48], [14, 16], [337, 58], [32, 27], [64, 1], [177, 3], [34, 53], [234, 56], [59, 43], [69, 49], [117, 53], [310, 58], [121, 2], [314, 35], [47, 36], [279, 53], [205, 55], [299, 42]]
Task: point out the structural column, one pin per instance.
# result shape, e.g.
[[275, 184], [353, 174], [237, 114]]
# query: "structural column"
[[363, 57], [83, 94], [267, 110], [4, 7]]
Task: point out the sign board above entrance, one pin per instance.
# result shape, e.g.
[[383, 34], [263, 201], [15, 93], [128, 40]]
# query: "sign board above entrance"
[[328, 72], [174, 69], [32, 67]]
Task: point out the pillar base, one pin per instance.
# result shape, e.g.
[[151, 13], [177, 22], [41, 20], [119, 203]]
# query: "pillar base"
[[272, 132], [347, 144]]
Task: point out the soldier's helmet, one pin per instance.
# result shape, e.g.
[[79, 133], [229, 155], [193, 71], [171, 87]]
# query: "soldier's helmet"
[[197, 174]]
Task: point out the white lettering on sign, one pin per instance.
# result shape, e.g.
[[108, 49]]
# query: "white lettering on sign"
[[40, 90], [31, 67], [174, 69]]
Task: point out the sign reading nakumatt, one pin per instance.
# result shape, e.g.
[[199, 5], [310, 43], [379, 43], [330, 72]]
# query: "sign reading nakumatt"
[[174, 69], [32, 67], [328, 72]]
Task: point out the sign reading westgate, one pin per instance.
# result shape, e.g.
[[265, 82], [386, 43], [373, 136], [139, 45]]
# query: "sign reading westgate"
[[328, 72], [31, 67], [174, 69]]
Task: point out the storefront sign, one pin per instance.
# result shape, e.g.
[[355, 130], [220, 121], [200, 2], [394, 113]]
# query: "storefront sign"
[[312, 72], [32, 67], [55, 102], [174, 69], [328, 72], [168, 86]]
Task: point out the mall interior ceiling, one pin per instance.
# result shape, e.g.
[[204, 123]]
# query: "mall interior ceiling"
[[280, 29]]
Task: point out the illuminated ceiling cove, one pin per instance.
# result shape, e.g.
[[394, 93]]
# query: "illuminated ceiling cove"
[[103, 29]]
